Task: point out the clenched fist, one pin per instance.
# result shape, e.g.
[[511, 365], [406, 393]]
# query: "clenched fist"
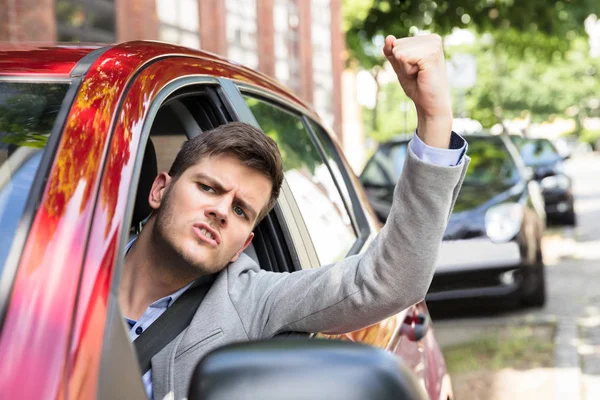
[[421, 69]]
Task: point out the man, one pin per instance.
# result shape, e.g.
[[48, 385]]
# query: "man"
[[220, 186]]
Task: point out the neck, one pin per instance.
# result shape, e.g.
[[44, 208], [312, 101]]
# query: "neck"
[[148, 275]]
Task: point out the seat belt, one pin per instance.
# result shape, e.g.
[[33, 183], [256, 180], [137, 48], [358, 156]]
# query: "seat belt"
[[171, 323]]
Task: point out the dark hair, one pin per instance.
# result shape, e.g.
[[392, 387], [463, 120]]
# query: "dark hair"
[[243, 141]]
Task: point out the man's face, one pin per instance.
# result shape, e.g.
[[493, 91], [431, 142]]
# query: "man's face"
[[206, 216]]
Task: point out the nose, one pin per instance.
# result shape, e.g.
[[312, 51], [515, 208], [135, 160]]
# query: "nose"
[[219, 210]]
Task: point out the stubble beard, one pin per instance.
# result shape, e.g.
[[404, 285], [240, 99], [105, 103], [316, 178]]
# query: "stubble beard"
[[174, 256]]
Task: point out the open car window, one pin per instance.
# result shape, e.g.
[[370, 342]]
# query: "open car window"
[[28, 111], [312, 184]]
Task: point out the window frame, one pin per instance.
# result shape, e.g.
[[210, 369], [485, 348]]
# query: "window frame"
[[362, 228], [319, 150], [112, 341], [274, 246], [360, 224]]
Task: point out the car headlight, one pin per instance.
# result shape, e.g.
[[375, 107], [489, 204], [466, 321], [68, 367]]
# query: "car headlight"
[[503, 222], [555, 182]]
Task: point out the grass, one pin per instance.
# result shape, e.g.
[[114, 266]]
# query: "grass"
[[505, 347]]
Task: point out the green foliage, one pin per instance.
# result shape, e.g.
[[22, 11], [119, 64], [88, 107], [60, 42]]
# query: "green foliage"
[[590, 136], [28, 112], [503, 347], [296, 148], [396, 114], [510, 85], [532, 59], [551, 19]]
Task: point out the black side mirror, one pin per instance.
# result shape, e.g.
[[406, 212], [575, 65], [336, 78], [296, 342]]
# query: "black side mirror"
[[295, 369]]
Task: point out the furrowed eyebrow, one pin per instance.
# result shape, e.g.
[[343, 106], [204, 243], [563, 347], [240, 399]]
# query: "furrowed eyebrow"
[[219, 188], [213, 182]]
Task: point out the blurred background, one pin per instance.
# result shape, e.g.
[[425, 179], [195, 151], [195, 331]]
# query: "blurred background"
[[528, 68], [515, 299]]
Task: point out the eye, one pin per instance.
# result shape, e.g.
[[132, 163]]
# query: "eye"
[[239, 211], [207, 188]]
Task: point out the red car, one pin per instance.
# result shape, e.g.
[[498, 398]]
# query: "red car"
[[83, 132]]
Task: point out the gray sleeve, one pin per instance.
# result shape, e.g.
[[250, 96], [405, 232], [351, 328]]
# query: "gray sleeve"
[[393, 273]]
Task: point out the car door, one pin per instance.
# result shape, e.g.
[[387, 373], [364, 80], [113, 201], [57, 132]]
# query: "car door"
[[168, 102], [331, 213]]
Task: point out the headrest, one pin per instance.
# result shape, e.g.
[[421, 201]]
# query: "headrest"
[[149, 171]]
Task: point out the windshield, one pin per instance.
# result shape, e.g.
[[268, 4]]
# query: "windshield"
[[27, 114], [491, 163], [538, 151], [385, 166]]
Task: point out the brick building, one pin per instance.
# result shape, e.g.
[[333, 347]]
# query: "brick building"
[[299, 42]]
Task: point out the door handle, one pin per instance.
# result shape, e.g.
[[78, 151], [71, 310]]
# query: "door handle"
[[415, 326]]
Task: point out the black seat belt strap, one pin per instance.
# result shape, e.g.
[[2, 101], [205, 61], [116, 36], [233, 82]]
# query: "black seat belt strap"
[[170, 324]]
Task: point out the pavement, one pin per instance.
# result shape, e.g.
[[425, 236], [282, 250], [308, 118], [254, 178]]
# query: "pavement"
[[572, 257]]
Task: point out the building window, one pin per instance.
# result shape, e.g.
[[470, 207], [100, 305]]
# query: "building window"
[[179, 22], [286, 22], [322, 59], [241, 29], [86, 21]]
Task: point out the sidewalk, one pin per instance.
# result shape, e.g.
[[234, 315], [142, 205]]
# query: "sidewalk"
[[568, 383], [576, 372], [589, 352]]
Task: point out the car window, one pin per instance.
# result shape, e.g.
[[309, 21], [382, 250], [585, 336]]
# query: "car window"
[[538, 151], [334, 162], [385, 166], [27, 114], [310, 181], [491, 162]]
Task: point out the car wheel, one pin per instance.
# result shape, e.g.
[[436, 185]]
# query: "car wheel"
[[535, 287]]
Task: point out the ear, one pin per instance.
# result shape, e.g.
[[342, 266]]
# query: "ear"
[[159, 189], [244, 247]]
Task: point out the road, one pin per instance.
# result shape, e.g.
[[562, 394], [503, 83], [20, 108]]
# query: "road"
[[572, 256]]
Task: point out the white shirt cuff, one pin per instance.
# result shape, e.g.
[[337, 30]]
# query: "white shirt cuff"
[[435, 155]]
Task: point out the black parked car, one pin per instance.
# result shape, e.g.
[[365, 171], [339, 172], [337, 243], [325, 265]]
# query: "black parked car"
[[544, 158], [492, 245]]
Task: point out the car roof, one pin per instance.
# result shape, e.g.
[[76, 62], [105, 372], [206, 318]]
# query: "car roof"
[[39, 59], [59, 60]]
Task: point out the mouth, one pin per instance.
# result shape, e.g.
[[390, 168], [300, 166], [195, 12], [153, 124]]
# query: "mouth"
[[207, 234]]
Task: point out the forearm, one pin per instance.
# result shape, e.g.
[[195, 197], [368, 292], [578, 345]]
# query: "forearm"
[[408, 244], [393, 273], [435, 131]]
